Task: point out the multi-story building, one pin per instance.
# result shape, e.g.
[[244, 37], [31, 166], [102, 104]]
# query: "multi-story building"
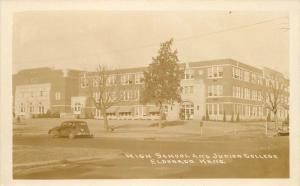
[[215, 90], [36, 91]]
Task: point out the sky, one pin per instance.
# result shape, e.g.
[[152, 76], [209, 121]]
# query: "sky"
[[121, 39]]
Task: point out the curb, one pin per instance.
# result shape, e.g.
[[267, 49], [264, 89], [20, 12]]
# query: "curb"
[[63, 161]]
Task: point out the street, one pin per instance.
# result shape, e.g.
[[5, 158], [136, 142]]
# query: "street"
[[110, 158]]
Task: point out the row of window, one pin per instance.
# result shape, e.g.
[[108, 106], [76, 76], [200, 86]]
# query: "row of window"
[[215, 72], [244, 75], [33, 94], [248, 110], [215, 90], [246, 93], [215, 108], [125, 79], [125, 95], [31, 108], [241, 109], [188, 90]]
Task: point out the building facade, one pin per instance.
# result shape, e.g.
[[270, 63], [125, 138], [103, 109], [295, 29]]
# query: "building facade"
[[40, 90], [216, 90]]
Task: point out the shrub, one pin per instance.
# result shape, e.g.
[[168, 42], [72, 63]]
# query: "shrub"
[[164, 116], [48, 114], [18, 119], [55, 115], [224, 117], [207, 116], [238, 117], [181, 115], [287, 120]]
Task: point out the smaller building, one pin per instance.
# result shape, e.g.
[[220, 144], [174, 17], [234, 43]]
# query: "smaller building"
[[41, 90]]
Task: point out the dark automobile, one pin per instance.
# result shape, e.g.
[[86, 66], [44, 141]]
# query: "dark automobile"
[[71, 129]]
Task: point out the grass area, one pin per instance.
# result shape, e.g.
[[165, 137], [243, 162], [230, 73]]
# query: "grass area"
[[150, 127]]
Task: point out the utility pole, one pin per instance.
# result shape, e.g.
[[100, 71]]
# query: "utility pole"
[[266, 126]]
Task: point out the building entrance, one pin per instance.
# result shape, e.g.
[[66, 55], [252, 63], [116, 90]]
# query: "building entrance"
[[187, 110]]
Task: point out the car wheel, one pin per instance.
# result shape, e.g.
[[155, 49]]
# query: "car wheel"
[[71, 136], [54, 134]]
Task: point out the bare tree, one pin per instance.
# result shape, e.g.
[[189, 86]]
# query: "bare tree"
[[105, 91], [273, 95]]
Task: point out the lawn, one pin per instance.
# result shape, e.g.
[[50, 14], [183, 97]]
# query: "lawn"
[[132, 128]]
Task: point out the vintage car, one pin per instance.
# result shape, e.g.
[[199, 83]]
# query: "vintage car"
[[71, 129]]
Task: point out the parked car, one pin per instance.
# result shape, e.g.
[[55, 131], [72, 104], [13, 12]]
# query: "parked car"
[[71, 129]]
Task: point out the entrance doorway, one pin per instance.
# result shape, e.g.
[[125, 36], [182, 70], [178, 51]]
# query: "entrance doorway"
[[187, 110]]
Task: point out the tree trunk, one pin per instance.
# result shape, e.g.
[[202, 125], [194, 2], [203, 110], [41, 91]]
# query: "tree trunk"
[[105, 120], [276, 121], [160, 122]]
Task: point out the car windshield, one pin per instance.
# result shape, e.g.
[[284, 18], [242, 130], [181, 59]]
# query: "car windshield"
[[74, 123], [82, 124]]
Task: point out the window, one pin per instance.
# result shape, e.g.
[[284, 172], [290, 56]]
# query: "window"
[[221, 110], [220, 90], [259, 96], [77, 107], [215, 109], [133, 94], [233, 91], [131, 78], [254, 78], [259, 80], [238, 92], [139, 78], [247, 76], [188, 89], [191, 89], [95, 83], [247, 93], [111, 80], [125, 95], [209, 108], [209, 93], [215, 72], [57, 95], [254, 111], [125, 79], [31, 108], [242, 74], [236, 73], [84, 82], [215, 90], [242, 93], [41, 108], [22, 107], [209, 72], [220, 71], [254, 95], [188, 74], [96, 96]]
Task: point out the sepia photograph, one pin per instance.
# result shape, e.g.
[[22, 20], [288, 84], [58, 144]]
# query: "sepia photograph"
[[150, 94]]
